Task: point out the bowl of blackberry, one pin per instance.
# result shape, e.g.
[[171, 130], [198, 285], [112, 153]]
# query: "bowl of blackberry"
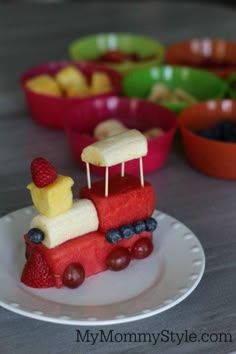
[[208, 131]]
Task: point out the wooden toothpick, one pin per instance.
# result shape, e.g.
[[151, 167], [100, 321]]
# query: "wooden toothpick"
[[88, 175], [106, 182], [141, 171], [122, 169]]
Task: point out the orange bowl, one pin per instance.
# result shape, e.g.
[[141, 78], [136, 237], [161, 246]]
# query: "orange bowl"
[[215, 55], [215, 158]]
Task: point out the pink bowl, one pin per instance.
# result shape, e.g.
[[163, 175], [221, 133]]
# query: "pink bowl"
[[81, 120], [49, 110]]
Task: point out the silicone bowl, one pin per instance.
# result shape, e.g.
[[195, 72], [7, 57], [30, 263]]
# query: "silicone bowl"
[[199, 83], [215, 55], [81, 120], [49, 110], [232, 79], [90, 48], [212, 157]]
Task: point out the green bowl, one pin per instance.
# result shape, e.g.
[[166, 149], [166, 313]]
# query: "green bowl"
[[201, 84], [230, 79], [92, 47]]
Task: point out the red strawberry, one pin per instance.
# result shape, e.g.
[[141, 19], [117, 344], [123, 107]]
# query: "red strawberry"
[[43, 173], [36, 272]]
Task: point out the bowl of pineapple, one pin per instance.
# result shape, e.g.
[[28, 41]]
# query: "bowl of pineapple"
[[53, 87]]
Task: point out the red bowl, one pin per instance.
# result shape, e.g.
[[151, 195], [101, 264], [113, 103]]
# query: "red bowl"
[[215, 55], [212, 157], [49, 110], [81, 120]]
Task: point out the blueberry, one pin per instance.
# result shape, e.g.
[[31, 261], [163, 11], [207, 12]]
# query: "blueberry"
[[205, 133], [36, 235], [226, 127], [151, 224], [113, 236], [216, 132], [139, 226], [127, 231]]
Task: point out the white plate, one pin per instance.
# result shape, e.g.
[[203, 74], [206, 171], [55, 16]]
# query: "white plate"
[[146, 288]]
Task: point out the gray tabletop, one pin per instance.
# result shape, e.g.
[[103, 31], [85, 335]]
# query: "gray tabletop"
[[32, 34]]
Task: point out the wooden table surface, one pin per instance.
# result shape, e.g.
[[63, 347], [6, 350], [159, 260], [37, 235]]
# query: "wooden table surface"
[[32, 34]]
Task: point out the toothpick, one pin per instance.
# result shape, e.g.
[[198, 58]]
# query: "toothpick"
[[141, 171], [106, 182], [122, 169], [88, 175]]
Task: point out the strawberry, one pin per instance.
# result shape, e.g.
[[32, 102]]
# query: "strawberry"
[[43, 173], [36, 272]]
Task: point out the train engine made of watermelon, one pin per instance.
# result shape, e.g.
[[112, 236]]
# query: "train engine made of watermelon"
[[109, 224]]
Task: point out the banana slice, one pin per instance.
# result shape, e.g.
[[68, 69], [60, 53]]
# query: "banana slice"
[[81, 219], [108, 128], [116, 149]]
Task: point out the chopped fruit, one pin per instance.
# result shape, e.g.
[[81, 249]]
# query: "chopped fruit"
[[161, 93], [113, 236], [75, 91], [139, 226], [80, 219], [72, 81], [44, 84], [43, 173], [131, 202], [142, 248], [118, 259], [107, 128], [36, 272], [36, 235], [224, 131], [151, 224], [73, 275], [153, 133], [100, 83], [118, 57], [127, 231], [113, 56], [54, 199]]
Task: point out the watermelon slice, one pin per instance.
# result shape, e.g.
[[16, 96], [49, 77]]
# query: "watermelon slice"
[[126, 203], [89, 250]]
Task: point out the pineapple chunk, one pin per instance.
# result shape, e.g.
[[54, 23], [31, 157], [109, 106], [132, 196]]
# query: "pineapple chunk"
[[54, 199], [100, 83], [72, 81], [78, 91], [44, 84]]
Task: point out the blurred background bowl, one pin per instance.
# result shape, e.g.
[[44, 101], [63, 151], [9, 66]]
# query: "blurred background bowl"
[[91, 48], [49, 110], [214, 158], [215, 55], [81, 120], [200, 84]]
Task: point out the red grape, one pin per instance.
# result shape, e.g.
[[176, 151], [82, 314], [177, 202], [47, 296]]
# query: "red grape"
[[118, 259], [142, 248], [73, 275]]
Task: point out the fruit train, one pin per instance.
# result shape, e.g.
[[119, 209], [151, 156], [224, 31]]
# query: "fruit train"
[[109, 225]]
